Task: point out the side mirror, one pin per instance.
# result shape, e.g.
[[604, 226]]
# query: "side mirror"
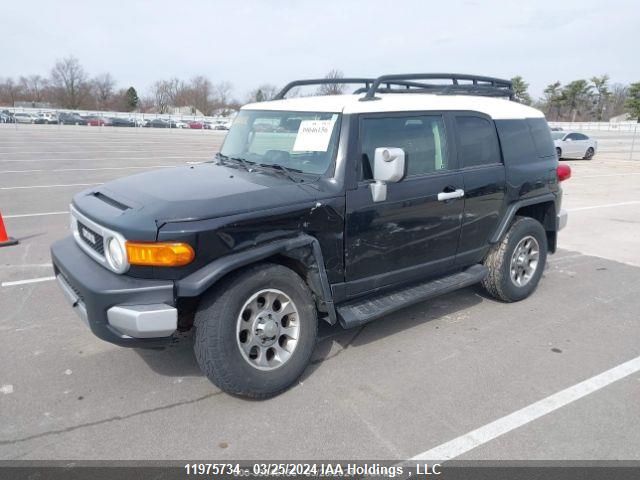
[[567, 139], [388, 166]]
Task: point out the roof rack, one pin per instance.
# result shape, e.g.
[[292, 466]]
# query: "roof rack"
[[472, 85], [406, 83], [322, 81]]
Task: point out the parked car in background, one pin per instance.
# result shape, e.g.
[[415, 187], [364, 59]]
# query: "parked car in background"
[[46, 118], [7, 117], [21, 117], [196, 125], [122, 122], [66, 118], [181, 124], [157, 123], [221, 126], [574, 145], [96, 121]]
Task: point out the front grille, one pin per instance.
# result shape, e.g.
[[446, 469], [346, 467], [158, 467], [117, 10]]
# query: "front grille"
[[91, 238]]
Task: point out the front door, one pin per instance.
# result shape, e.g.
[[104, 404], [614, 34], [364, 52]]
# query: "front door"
[[412, 234]]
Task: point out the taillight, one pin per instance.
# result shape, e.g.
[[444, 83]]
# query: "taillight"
[[564, 172]]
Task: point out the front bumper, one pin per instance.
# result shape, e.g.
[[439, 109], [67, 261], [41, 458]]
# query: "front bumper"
[[127, 311]]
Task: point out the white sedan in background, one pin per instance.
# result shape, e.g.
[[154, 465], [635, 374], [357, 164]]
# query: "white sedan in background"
[[574, 145]]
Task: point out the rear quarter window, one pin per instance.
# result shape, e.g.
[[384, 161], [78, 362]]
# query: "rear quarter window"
[[516, 140], [541, 135]]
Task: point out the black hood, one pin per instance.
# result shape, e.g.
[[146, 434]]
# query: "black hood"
[[137, 205]]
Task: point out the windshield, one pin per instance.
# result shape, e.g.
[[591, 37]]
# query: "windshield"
[[298, 141], [557, 135]]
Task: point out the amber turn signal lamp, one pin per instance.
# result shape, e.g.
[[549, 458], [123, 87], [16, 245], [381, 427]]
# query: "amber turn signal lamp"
[[160, 254]]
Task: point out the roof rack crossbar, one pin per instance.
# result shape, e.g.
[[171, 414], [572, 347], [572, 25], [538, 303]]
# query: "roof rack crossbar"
[[322, 81], [488, 86]]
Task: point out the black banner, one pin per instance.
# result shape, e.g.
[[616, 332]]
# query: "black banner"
[[374, 469]]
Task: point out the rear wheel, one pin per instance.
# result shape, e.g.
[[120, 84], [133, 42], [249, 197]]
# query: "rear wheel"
[[256, 331], [589, 153], [517, 262]]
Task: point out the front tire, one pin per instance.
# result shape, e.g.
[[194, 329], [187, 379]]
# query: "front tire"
[[559, 152], [256, 331], [517, 262]]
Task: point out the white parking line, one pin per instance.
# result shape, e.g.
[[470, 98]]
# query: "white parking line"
[[43, 214], [607, 205], [486, 433], [25, 282], [37, 170], [49, 186]]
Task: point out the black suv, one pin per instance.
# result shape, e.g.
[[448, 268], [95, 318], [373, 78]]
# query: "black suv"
[[338, 208]]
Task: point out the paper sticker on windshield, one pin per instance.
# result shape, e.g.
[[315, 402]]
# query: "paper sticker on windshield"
[[314, 135]]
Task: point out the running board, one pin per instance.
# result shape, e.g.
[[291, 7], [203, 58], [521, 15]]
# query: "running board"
[[359, 312]]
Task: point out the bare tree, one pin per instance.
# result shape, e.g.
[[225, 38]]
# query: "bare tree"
[[222, 95], [332, 88], [263, 93], [10, 92], [162, 95], [33, 87], [70, 82], [200, 94], [103, 87]]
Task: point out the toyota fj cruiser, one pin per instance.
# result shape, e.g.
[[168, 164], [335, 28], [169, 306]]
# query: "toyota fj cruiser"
[[339, 208]]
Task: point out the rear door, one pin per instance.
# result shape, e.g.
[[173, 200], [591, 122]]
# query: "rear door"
[[483, 173], [412, 234]]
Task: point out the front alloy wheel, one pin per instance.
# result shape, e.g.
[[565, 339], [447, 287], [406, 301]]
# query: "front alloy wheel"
[[267, 329]]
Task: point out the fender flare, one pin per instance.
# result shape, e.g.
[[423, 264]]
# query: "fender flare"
[[511, 212], [304, 248]]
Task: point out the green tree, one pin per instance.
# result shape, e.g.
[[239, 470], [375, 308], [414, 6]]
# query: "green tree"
[[632, 104], [553, 99], [132, 99], [578, 97], [520, 87], [602, 95]]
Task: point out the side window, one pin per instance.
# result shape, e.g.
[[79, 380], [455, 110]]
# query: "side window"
[[422, 138], [477, 141], [573, 136], [581, 136], [541, 137]]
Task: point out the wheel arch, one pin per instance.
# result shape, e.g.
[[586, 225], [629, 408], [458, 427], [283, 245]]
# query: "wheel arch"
[[302, 254], [542, 209]]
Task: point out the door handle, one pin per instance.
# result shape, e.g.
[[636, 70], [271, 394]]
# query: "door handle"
[[443, 196]]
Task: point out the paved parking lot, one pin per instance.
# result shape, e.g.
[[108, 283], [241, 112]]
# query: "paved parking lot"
[[394, 389]]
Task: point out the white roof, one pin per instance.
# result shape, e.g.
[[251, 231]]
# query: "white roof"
[[496, 108]]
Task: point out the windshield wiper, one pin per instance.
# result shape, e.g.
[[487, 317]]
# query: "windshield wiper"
[[245, 163], [276, 167]]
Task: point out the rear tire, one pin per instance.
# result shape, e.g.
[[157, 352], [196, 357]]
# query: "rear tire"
[[245, 328], [517, 262], [589, 154]]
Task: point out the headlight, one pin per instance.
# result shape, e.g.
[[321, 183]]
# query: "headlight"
[[116, 254]]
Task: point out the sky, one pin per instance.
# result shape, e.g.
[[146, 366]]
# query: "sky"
[[249, 43]]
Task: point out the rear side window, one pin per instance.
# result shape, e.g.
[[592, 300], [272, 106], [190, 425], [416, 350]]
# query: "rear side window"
[[541, 137], [477, 141], [517, 141]]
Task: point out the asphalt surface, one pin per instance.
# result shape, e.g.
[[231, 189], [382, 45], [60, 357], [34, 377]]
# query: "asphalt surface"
[[391, 390]]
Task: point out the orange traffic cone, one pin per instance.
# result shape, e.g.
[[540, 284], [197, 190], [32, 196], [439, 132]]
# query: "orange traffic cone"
[[5, 240]]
